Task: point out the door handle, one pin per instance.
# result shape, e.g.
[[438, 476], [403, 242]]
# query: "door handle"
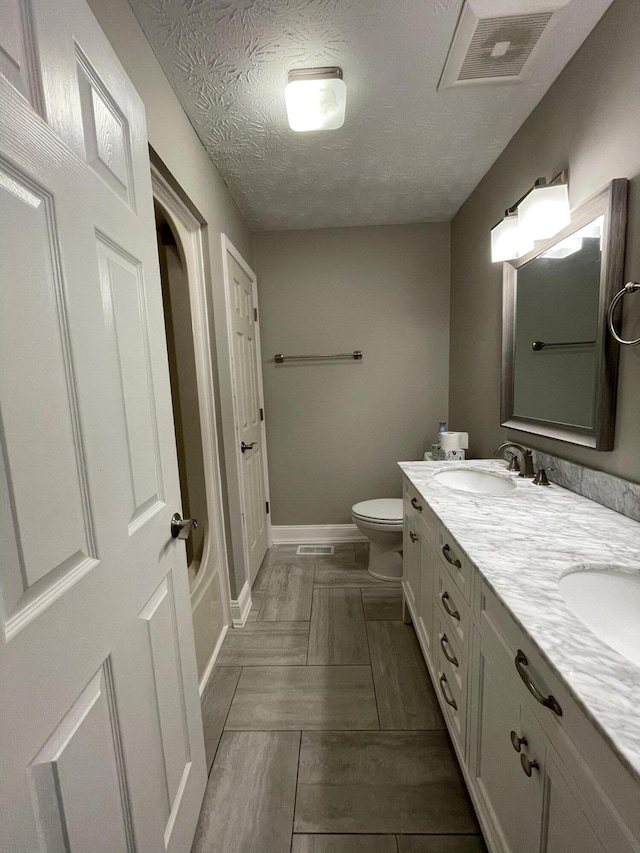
[[549, 701], [444, 642], [528, 765], [446, 551], [182, 527], [244, 446], [445, 598], [448, 699], [517, 742]]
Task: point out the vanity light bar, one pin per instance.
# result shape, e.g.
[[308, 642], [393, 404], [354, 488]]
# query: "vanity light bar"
[[540, 213]]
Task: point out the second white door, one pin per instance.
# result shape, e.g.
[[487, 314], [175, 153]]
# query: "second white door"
[[249, 412]]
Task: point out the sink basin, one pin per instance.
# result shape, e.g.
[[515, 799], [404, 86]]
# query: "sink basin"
[[607, 601], [470, 480]]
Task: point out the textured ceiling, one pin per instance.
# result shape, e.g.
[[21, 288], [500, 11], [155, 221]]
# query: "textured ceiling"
[[406, 153]]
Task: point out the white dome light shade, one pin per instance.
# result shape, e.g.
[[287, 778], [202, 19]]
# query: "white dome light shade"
[[315, 99], [507, 241], [569, 246], [544, 211]]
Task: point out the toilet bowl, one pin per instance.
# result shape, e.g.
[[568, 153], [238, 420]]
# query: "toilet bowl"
[[381, 522]]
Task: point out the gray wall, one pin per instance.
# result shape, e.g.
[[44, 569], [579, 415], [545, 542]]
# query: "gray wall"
[[173, 138], [589, 121], [335, 430]]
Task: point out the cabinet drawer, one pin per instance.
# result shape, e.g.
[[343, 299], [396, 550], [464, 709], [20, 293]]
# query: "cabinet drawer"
[[495, 620], [411, 547], [455, 561], [452, 654], [453, 610], [451, 687], [417, 508]]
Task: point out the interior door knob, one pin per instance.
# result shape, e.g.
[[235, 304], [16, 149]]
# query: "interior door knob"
[[182, 527], [528, 765], [244, 446], [517, 742]]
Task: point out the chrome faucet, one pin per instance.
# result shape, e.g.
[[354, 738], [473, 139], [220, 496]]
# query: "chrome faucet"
[[525, 457]]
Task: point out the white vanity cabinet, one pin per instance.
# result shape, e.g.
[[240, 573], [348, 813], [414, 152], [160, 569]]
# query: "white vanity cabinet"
[[507, 754], [419, 565], [532, 801], [541, 782], [568, 807], [411, 548]]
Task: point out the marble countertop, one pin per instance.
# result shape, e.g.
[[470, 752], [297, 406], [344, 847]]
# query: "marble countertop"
[[522, 543]]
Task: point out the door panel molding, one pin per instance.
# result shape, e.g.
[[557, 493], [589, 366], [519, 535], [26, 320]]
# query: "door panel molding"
[[164, 648], [45, 561], [125, 309], [82, 762]]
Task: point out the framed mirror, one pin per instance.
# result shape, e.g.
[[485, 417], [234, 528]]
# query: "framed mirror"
[[559, 365]]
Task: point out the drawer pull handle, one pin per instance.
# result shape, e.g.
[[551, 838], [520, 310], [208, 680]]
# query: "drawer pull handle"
[[445, 597], [548, 701], [449, 700], [413, 536], [527, 765], [517, 742], [416, 505], [446, 550], [444, 640]]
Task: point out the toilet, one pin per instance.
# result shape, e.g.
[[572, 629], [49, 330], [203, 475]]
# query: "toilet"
[[380, 521]]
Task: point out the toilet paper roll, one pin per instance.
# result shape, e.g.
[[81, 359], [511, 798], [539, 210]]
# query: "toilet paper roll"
[[454, 440]]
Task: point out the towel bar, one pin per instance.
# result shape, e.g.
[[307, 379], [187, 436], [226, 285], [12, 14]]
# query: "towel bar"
[[279, 358]]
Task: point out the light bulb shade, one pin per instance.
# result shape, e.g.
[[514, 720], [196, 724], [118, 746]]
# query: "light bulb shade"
[[506, 240], [569, 246], [315, 99], [544, 211]]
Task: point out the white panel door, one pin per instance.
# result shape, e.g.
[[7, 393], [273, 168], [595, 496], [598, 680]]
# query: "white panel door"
[[102, 748], [247, 384]]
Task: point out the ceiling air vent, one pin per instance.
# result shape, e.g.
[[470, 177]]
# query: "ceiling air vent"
[[492, 44]]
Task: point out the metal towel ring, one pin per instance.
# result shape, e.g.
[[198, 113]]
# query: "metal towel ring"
[[629, 287]]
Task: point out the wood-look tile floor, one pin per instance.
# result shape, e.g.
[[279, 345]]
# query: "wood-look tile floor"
[[323, 733]]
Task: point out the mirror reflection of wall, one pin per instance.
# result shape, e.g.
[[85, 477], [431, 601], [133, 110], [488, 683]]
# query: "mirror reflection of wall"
[[557, 306]]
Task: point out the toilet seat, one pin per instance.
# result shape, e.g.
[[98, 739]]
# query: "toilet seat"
[[382, 511]]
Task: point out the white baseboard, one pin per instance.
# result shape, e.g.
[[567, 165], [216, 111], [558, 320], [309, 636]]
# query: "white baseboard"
[[241, 606], [206, 675], [316, 534]]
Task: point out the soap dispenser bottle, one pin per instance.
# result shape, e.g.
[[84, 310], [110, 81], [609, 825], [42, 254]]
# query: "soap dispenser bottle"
[[435, 448]]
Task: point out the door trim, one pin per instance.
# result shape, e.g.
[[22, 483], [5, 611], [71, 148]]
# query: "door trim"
[[190, 229], [229, 248]]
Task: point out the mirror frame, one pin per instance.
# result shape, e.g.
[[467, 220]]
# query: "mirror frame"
[[611, 203]]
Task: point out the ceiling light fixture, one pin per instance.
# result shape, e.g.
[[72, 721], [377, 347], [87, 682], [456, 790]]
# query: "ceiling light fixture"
[[539, 214], [315, 99]]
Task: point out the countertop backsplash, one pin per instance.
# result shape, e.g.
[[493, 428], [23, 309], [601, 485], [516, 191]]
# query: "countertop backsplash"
[[613, 492]]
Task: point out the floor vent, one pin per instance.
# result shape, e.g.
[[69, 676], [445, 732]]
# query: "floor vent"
[[491, 49], [315, 550]]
